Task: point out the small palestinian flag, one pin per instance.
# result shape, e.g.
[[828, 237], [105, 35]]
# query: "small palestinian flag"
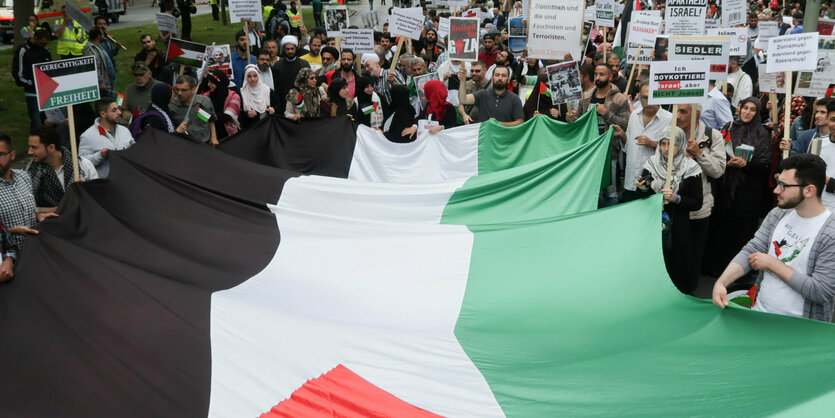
[[203, 115], [300, 104], [120, 99], [186, 53], [336, 3], [829, 91], [729, 147], [369, 109], [543, 89]]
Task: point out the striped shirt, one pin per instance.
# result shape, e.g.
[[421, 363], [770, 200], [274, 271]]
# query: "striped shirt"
[[17, 203], [383, 87]]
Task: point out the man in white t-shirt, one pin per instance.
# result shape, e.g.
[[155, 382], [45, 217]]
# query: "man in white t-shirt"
[[794, 248]]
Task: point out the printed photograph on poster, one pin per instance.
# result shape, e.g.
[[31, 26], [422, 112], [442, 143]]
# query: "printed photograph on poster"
[[713, 49], [517, 41], [420, 81], [661, 44], [564, 82], [336, 19], [219, 59], [517, 27], [775, 82], [815, 83], [685, 17], [463, 39], [678, 82], [554, 28]]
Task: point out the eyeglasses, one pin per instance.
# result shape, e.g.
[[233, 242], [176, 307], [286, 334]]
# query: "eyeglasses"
[[3, 154], [179, 90], [784, 185], [313, 77]]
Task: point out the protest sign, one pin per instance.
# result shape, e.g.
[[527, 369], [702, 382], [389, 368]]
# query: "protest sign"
[[590, 13], [771, 82], [463, 38], [370, 20], [187, 53], [825, 26], [517, 41], [564, 82], [220, 59], [361, 41], [424, 125], [738, 38], [243, 10], [685, 17], [336, 19], [712, 49], [406, 22], [793, 52], [678, 82], [66, 82], [646, 13], [554, 28], [604, 13], [767, 30], [733, 13], [77, 15], [420, 81], [619, 9], [711, 23], [815, 83], [167, 23], [443, 27], [642, 31]]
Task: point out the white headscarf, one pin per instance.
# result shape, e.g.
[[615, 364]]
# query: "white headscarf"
[[255, 98], [683, 167]]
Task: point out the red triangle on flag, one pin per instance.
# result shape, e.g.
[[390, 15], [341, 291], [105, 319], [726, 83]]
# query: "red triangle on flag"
[[46, 86], [174, 50]]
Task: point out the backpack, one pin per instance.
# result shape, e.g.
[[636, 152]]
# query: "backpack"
[[16, 64]]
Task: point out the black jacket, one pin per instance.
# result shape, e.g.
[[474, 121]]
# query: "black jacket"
[[30, 54]]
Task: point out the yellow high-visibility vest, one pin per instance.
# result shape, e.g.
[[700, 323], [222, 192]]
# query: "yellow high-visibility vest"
[[295, 19], [72, 40], [267, 11]]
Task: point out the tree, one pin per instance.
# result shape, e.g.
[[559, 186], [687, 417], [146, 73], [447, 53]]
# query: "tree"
[[22, 9]]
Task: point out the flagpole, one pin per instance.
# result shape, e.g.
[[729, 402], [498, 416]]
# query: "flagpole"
[[632, 72], [73, 145], [200, 78], [586, 46]]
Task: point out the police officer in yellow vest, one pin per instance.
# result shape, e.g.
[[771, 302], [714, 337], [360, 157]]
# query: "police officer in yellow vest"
[[295, 17], [71, 36], [268, 8]]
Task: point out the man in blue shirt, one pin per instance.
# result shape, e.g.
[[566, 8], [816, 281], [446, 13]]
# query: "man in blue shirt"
[[717, 111], [239, 59]]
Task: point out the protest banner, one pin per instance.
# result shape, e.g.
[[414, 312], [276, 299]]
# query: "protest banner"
[[733, 13], [815, 83], [564, 82], [463, 38], [711, 24], [187, 53], [554, 28], [245, 10], [738, 38], [517, 40], [406, 22], [678, 82], [797, 52], [642, 33], [604, 13], [825, 26], [65, 83], [767, 30], [336, 19], [77, 15], [443, 27], [361, 41], [712, 49], [685, 17]]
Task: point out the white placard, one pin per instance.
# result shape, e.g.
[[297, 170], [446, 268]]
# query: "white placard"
[[711, 23], [712, 49], [406, 22], [424, 125], [738, 37], [788, 20], [646, 13], [678, 82], [604, 13], [361, 41], [619, 9], [555, 28], [589, 13], [443, 27], [685, 17], [793, 52], [771, 82], [336, 19], [815, 83], [241, 10], [767, 30], [642, 31], [733, 13]]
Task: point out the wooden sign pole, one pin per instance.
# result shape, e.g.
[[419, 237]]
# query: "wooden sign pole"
[[73, 146], [787, 111], [397, 54], [671, 152], [693, 121], [248, 54], [632, 73]]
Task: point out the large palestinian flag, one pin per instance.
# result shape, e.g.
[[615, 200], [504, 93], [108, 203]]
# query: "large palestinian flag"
[[170, 290]]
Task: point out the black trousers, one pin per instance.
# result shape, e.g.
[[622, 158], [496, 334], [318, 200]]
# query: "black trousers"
[[698, 240], [215, 12]]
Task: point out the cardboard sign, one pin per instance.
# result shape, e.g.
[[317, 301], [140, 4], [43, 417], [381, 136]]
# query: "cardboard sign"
[[825, 26], [771, 82], [793, 52], [767, 30], [738, 37], [604, 13], [443, 27], [590, 13], [167, 23], [712, 49], [685, 17], [220, 59], [463, 39], [361, 41], [554, 28], [66, 82], [564, 82], [678, 82], [243, 10], [77, 15], [642, 31], [406, 22], [815, 83], [336, 19], [733, 13], [421, 81]]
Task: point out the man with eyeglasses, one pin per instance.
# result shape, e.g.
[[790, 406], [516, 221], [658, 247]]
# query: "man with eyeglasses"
[[707, 148], [794, 248], [645, 128], [199, 123], [477, 82]]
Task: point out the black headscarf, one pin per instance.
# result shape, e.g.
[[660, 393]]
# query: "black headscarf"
[[402, 115], [749, 133], [363, 99], [161, 96], [218, 97], [335, 99]]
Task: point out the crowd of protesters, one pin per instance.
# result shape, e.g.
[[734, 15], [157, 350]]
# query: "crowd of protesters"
[[715, 203]]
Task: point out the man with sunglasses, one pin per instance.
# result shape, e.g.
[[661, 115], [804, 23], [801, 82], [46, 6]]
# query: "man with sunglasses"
[[477, 82], [794, 248]]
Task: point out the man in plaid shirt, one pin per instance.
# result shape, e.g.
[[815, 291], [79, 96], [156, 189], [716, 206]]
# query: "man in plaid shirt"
[[8, 255]]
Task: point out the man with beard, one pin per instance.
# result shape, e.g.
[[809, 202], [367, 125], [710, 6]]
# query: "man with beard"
[[104, 67], [487, 55], [51, 169], [386, 43], [110, 45], [494, 103], [33, 52], [313, 57], [330, 58], [381, 77], [613, 61], [477, 82], [793, 249], [239, 59], [105, 135], [503, 59], [428, 47], [265, 72], [153, 58], [287, 67], [345, 72], [646, 127], [271, 46], [138, 95]]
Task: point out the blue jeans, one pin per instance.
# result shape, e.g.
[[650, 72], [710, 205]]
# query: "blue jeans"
[[34, 114]]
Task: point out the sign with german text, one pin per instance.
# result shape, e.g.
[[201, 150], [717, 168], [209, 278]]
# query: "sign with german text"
[[361, 41], [604, 13], [733, 13], [243, 10], [463, 38], [642, 31], [555, 28], [738, 38], [443, 27], [406, 22], [815, 83], [712, 49], [678, 82], [66, 82], [797, 52], [685, 17]]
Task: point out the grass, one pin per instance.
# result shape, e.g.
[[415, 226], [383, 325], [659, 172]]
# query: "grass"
[[14, 121]]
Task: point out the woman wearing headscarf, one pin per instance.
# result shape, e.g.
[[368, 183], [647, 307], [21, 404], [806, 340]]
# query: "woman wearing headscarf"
[[304, 100], [341, 104], [437, 108], [157, 115], [255, 97], [539, 103], [226, 100], [683, 196], [742, 194], [400, 125], [370, 109]]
